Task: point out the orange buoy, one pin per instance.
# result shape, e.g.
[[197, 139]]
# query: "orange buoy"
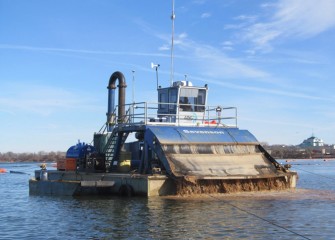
[[3, 170]]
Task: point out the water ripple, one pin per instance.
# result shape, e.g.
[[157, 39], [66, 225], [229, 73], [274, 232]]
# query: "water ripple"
[[307, 211]]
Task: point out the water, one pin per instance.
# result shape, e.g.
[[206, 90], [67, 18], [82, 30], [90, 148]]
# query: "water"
[[306, 213]]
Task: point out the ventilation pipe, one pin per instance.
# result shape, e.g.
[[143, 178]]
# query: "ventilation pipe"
[[111, 99]]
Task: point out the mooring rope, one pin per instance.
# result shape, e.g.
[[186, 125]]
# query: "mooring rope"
[[259, 217], [319, 175], [250, 213], [266, 220]]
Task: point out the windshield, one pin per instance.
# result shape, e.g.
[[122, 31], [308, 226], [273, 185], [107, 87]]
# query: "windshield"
[[192, 99]]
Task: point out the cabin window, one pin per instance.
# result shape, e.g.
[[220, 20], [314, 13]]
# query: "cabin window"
[[192, 100], [162, 99], [201, 101], [173, 99]]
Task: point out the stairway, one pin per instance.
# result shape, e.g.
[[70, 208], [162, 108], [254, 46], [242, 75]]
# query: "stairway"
[[113, 147]]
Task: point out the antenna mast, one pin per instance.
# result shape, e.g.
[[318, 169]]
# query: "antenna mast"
[[173, 16], [133, 85]]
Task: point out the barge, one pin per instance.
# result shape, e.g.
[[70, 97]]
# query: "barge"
[[178, 145]]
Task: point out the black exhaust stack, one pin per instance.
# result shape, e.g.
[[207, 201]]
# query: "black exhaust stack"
[[111, 99]]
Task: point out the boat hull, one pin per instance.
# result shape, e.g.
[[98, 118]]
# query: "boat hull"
[[62, 183]]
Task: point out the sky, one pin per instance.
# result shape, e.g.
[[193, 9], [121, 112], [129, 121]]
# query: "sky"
[[273, 60]]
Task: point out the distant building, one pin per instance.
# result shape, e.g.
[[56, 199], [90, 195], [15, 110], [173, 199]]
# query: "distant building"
[[312, 142]]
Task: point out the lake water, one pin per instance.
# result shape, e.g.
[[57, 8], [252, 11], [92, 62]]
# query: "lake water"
[[305, 213]]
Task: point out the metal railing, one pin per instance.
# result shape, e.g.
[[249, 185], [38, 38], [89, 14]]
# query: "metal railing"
[[158, 114]]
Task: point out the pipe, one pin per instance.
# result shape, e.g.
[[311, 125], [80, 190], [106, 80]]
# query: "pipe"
[[111, 96]]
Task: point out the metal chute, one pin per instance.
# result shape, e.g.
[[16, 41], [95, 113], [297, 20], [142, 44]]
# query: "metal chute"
[[210, 153]]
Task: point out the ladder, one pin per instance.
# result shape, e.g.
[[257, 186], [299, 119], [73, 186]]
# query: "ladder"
[[113, 147], [114, 144]]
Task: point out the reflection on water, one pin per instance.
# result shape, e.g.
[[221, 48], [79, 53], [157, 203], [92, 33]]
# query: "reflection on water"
[[307, 211]]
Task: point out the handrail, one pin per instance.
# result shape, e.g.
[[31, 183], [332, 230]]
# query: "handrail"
[[152, 113]]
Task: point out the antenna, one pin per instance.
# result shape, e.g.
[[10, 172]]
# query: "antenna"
[[173, 16], [156, 66]]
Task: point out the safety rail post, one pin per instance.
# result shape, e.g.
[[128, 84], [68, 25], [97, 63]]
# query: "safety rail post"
[[177, 110], [132, 112], [235, 117], [178, 117], [145, 113], [208, 119]]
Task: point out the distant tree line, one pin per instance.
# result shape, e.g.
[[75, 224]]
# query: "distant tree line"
[[277, 151], [32, 157], [296, 152]]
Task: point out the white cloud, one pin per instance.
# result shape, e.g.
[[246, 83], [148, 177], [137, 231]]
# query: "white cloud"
[[249, 18], [41, 100], [179, 39], [199, 2], [227, 45], [214, 62], [268, 90], [211, 61], [206, 15], [164, 47], [268, 5], [74, 51], [305, 17], [298, 19]]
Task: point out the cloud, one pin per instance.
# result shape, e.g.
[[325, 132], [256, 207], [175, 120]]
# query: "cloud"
[[296, 19], [199, 2], [248, 18], [41, 100], [245, 21], [48, 49], [268, 90], [77, 51], [215, 63], [206, 15], [305, 17], [164, 47], [227, 45], [212, 62]]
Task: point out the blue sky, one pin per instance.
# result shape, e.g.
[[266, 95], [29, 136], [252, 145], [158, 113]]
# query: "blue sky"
[[273, 60]]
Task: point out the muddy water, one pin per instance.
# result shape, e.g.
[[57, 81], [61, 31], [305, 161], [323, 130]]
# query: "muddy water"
[[305, 213]]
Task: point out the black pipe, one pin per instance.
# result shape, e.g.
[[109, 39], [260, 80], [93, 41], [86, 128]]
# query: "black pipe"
[[122, 94]]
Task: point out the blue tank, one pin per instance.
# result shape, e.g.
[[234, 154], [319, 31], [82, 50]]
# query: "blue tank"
[[80, 150]]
